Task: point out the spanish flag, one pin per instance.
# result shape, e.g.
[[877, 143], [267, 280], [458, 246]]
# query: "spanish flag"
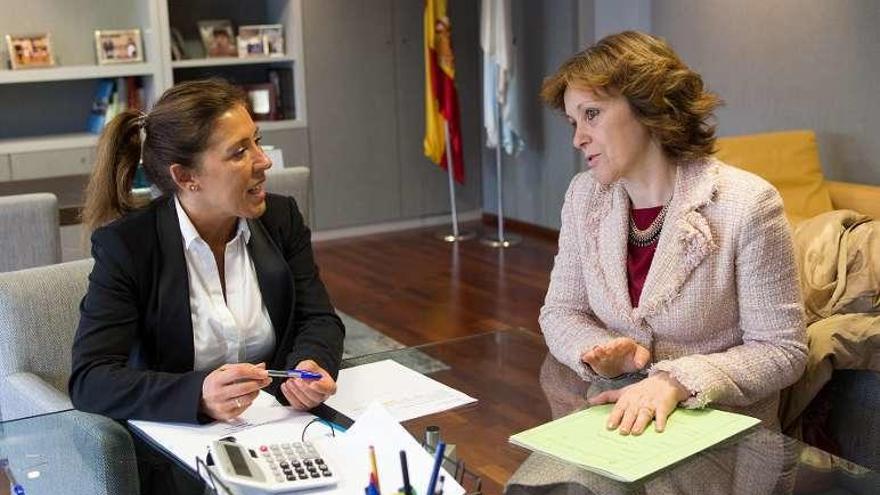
[[441, 99]]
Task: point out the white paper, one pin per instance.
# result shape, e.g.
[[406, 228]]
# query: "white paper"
[[405, 393], [266, 420], [378, 428]]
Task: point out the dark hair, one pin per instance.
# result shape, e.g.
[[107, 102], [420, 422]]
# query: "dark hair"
[[177, 130], [666, 96]]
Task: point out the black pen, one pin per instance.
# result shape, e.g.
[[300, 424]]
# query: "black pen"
[[407, 488]]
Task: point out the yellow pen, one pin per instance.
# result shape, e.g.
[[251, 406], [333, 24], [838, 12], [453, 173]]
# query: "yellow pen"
[[375, 469]]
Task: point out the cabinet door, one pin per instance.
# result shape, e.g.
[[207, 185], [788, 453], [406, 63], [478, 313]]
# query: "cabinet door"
[[424, 185], [349, 71], [5, 171], [53, 163]]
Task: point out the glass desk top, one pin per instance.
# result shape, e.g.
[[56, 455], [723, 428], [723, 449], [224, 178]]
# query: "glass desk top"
[[519, 385]]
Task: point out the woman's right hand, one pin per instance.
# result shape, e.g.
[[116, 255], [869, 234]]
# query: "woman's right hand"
[[230, 389], [616, 357]]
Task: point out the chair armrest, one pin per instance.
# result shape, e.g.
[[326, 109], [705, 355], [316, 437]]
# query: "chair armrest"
[[862, 198], [111, 451], [25, 394], [75, 452]]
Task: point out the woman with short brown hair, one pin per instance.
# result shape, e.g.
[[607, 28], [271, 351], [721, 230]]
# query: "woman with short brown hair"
[[671, 264]]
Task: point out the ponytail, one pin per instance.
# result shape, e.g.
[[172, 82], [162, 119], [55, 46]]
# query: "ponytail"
[[108, 194]]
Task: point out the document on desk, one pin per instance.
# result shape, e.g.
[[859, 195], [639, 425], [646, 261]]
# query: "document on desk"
[[582, 438], [376, 427], [405, 393], [266, 418]]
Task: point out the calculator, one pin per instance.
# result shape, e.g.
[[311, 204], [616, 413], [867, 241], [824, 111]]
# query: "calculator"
[[281, 467]]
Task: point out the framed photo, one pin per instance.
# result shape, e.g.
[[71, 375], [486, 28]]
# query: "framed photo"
[[273, 40], [250, 42], [27, 51], [262, 101], [119, 46], [261, 40], [218, 38], [177, 50]]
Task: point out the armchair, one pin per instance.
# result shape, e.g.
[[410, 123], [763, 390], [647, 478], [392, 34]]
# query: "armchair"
[[291, 181], [790, 161], [31, 235], [39, 313]]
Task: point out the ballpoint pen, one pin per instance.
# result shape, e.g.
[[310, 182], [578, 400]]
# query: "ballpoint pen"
[[407, 488], [301, 374], [16, 488], [438, 459]]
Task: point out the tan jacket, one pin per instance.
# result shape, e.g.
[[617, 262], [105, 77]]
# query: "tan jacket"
[[720, 309]]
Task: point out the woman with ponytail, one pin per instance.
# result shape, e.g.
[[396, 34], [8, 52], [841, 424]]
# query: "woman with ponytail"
[[193, 295]]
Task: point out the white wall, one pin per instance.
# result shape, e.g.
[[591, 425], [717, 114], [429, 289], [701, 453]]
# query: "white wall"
[[789, 64]]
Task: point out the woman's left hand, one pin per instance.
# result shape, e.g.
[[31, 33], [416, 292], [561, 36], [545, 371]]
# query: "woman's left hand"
[[653, 398], [306, 394]]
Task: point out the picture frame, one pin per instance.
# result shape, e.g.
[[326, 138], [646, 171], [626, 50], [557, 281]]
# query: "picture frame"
[[262, 101], [178, 52], [250, 42], [218, 38], [261, 40], [273, 40], [119, 46], [30, 51]]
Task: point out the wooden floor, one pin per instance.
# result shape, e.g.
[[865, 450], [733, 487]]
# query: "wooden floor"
[[417, 289]]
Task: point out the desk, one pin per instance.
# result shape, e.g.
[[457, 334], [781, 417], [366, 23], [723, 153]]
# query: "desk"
[[519, 386]]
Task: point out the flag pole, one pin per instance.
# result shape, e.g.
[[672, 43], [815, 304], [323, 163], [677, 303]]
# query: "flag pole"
[[500, 241], [456, 235]]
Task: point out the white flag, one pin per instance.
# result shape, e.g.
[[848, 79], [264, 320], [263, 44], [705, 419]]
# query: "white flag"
[[496, 41]]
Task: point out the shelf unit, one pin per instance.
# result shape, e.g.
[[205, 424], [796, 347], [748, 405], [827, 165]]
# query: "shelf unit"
[[50, 105]]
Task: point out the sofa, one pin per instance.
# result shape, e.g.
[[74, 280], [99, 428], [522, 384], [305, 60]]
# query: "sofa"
[[836, 404]]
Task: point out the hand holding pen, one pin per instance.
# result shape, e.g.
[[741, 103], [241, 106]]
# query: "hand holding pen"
[[308, 385], [230, 389]]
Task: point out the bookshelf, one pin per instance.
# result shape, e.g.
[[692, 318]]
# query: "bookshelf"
[[45, 110]]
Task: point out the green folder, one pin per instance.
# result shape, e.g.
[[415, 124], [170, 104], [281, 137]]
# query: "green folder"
[[582, 438]]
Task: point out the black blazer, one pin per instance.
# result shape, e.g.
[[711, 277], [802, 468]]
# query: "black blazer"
[[133, 350]]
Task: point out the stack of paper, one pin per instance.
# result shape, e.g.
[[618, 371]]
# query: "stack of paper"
[[405, 393], [265, 419], [582, 438]]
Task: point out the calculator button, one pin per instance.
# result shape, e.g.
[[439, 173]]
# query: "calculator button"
[[291, 477], [284, 464], [319, 461], [263, 448]]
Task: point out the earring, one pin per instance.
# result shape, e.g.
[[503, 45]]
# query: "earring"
[[193, 187]]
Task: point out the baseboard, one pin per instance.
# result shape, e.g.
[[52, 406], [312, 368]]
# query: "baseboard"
[[523, 228], [383, 228]]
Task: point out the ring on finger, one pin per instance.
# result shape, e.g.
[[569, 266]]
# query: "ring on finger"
[[237, 403], [646, 408]]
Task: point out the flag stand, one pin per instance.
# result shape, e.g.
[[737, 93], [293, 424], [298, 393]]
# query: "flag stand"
[[456, 235], [500, 241]]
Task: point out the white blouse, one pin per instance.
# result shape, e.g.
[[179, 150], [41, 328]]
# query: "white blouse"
[[234, 330]]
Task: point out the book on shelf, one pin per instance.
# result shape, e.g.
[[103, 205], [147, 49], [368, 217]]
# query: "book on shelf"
[[112, 97], [100, 106]]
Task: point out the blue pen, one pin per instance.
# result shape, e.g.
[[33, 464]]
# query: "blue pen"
[[16, 488], [438, 460], [301, 374]]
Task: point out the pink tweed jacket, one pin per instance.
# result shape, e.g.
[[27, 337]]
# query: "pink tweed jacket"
[[720, 309]]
